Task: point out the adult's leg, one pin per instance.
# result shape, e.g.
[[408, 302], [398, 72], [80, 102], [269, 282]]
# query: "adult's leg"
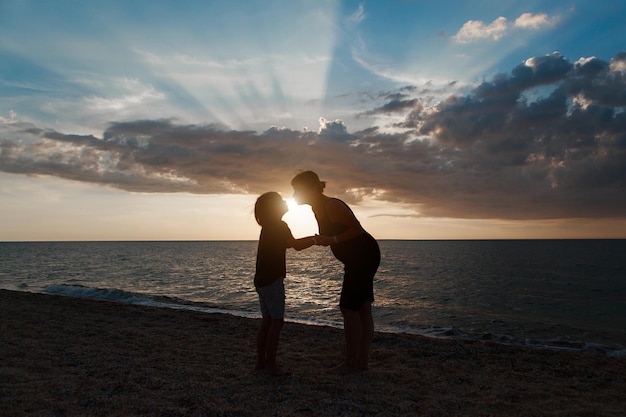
[[353, 333], [367, 334]]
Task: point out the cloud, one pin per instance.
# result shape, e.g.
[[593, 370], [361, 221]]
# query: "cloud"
[[476, 30], [333, 129], [546, 140], [535, 21], [358, 16], [394, 106]]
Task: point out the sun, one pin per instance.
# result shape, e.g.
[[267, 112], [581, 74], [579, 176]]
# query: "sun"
[[300, 219]]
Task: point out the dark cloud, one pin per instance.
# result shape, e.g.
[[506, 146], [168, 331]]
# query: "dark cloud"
[[547, 140], [396, 105], [333, 130]]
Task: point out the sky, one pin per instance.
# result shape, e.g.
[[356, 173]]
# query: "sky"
[[160, 120]]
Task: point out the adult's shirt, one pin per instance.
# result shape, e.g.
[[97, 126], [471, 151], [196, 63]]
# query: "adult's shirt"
[[356, 250]]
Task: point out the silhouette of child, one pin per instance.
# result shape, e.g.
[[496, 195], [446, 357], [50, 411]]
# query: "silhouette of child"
[[270, 273]]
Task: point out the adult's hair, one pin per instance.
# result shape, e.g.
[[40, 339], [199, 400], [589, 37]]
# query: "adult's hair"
[[265, 207], [308, 179]]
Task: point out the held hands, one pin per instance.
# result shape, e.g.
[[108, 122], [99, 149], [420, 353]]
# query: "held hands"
[[321, 240]]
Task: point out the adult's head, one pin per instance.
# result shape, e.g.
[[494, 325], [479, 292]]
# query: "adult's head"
[[306, 186]]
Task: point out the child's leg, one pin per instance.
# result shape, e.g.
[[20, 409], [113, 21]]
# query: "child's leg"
[[274, 304], [271, 346], [261, 343]]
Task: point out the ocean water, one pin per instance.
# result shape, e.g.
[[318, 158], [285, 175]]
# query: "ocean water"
[[558, 294]]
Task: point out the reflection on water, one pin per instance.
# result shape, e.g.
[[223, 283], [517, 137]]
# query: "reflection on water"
[[524, 288]]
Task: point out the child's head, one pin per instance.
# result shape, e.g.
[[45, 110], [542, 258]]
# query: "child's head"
[[269, 207]]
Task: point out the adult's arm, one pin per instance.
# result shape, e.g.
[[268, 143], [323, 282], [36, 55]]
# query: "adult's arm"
[[302, 243]]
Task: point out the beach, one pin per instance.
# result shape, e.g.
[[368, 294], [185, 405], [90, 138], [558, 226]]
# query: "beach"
[[64, 356]]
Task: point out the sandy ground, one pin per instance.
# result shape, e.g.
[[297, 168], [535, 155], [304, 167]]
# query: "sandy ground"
[[63, 356]]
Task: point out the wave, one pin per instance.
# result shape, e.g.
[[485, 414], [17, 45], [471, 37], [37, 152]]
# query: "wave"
[[552, 344], [100, 294], [159, 301], [129, 297]]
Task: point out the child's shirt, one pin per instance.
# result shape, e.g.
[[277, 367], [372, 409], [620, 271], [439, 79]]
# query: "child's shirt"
[[270, 258]]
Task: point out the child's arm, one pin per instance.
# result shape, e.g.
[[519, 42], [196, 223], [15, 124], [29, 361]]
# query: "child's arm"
[[302, 243]]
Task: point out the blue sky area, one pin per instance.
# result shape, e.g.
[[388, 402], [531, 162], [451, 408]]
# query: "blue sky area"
[[434, 119]]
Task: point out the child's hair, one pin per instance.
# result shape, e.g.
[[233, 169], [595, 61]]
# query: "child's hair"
[[265, 207]]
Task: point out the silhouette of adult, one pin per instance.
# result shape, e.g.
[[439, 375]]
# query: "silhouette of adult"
[[360, 254]]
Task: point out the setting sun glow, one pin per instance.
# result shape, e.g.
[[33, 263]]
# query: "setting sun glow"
[[300, 219]]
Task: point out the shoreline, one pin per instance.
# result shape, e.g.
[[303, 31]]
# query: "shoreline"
[[72, 356], [596, 341]]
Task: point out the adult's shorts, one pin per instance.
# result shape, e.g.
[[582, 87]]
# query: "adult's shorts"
[[358, 281]]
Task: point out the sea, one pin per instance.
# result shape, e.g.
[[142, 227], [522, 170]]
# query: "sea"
[[549, 294]]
